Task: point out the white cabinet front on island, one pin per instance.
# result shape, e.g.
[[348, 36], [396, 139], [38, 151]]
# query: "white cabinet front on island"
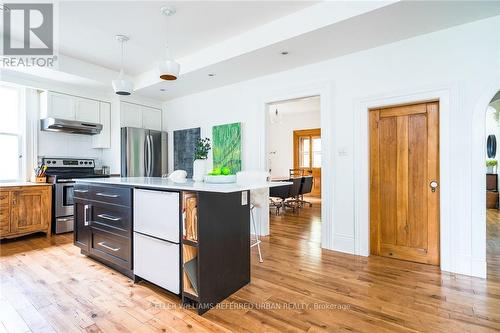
[[156, 238]]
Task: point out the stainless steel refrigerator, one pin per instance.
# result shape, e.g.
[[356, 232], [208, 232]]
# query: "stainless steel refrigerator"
[[143, 152]]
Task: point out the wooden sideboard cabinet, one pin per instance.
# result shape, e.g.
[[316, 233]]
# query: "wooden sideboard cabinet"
[[25, 210]]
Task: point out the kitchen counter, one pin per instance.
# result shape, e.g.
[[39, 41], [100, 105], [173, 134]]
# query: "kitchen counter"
[[191, 239], [188, 185], [17, 184]]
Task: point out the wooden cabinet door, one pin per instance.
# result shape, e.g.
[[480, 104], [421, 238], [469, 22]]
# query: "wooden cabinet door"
[[30, 209], [404, 172], [4, 213]]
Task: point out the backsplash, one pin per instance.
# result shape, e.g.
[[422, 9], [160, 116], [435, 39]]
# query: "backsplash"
[[66, 145]]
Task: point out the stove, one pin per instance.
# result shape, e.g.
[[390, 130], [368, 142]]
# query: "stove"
[[61, 172]]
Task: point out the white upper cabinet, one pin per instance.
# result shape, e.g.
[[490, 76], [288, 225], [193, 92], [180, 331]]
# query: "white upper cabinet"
[[130, 115], [103, 139], [57, 105], [151, 118], [87, 110], [134, 115]]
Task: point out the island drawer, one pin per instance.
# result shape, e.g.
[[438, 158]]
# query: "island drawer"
[[111, 194], [81, 191], [111, 247], [115, 218]]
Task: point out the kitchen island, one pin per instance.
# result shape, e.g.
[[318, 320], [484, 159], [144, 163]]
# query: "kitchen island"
[[191, 239]]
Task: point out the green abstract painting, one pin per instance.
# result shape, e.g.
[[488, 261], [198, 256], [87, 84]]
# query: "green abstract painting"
[[226, 146]]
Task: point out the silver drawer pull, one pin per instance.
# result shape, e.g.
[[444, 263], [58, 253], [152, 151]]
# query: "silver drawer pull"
[[86, 215], [114, 249], [80, 191], [107, 195], [109, 217]]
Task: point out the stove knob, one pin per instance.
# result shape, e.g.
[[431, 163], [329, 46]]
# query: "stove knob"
[[86, 162], [53, 162], [48, 162], [81, 162]]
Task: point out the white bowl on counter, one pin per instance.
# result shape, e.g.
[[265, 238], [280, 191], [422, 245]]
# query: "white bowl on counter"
[[220, 179]]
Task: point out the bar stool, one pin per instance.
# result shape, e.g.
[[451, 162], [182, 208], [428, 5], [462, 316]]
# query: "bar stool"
[[256, 198], [256, 231]]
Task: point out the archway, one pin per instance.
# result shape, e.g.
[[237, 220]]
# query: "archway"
[[478, 183]]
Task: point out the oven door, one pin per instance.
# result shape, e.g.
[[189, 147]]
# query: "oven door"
[[64, 197]]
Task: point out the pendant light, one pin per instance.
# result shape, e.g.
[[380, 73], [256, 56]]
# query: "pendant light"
[[122, 85], [168, 69], [275, 117]]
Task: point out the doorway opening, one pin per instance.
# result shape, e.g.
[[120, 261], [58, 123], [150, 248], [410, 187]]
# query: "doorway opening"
[[294, 154], [404, 178], [492, 125]]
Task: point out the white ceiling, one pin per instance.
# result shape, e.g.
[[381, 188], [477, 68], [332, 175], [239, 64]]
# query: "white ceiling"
[[385, 25], [236, 40], [87, 28]]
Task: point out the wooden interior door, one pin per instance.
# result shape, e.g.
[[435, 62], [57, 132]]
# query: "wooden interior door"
[[30, 209], [404, 176], [307, 155]]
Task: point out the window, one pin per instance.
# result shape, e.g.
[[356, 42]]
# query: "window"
[[11, 131], [308, 148], [304, 152], [316, 151]]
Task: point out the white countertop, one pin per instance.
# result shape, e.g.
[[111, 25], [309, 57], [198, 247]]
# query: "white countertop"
[[188, 185]]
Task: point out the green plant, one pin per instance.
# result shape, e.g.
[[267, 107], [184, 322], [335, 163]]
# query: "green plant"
[[491, 163], [202, 148]]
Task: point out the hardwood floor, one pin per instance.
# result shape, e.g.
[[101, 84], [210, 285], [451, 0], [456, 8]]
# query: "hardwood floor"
[[47, 286], [493, 243]]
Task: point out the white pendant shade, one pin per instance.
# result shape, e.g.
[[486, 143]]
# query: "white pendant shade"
[[169, 70], [122, 86]]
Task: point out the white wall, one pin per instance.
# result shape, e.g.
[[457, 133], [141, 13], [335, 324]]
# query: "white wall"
[[463, 59], [280, 139]]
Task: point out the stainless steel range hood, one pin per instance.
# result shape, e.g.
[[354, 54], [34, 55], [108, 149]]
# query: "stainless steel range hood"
[[70, 126]]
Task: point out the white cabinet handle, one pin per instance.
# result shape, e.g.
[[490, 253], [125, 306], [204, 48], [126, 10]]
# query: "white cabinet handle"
[[107, 195], [80, 191], [114, 249], [109, 217]]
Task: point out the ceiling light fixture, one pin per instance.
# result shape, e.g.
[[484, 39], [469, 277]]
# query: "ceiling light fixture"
[[275, 117], [168, 69], [211, 74], [122, 85], [284, 53]]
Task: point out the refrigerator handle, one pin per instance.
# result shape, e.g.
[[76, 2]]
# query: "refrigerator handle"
[[146, 157], [151, 155]]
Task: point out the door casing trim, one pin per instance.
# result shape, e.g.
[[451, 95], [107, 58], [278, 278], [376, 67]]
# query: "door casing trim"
[[362, 172]]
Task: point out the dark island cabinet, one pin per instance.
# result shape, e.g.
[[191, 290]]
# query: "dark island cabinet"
[[103, 224]]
